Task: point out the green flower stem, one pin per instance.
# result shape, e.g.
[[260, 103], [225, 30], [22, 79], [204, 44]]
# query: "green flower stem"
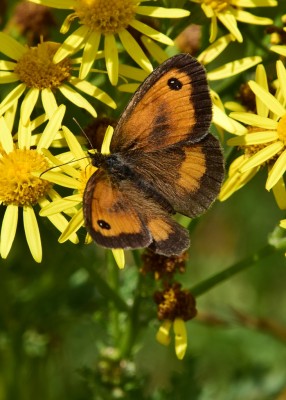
[[222, 276], [107, 291], [113, 280], [132, 326]]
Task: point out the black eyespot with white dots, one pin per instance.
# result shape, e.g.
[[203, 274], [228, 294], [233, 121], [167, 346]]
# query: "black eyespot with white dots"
[[103, 224], [175, 84]]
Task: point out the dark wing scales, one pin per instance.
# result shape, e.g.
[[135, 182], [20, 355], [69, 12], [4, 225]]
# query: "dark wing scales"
[[188, 177]]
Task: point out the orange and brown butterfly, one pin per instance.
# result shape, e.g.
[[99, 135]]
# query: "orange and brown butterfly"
[[163, 160]]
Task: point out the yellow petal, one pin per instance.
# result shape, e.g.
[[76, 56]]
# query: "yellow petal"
[[221, 119], [254, 138], [279, 192], [181, 340], [229, 22], [119, 257], [10, 47], [61, 205], [236, 181], [73, 226], [6, 139], [254, 3], [28, 104], [132, 72], [32, 233], [8, 77], [52, 128], [128, 87], [276, 171], [76, 148], [279, 49], [261, 79], [111, 58], [152, 33], [61, 179], [93, 91], [105, 147], [267, 99], [49, 101], [134, 50], [281, 74], [216, 48], [156, 51], [24, 136], [213, 28], [233, 68], [89, 53], [8, 230], [254, 120], [262, 156], [66, 168], [12, 97], [248, 18], [10, 115], [72, 43], [77, 99], [160, 12], [163, 334], [61, 4]]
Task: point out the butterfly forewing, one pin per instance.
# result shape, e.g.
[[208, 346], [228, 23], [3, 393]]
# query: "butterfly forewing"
[[172, 105]]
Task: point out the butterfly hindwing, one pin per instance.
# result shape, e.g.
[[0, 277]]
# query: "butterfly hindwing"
[[111, 216], [172, 105], [119, 215], [188, 177]]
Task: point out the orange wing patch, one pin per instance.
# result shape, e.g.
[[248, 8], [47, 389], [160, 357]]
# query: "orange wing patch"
[[192, 169]]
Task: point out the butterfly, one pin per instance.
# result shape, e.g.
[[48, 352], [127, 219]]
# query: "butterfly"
[[162, 160]]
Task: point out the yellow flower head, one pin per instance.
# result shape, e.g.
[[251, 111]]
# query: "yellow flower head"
[[38, 75], [175, 306], [110, 19], [228, 12], [265, 140], [20, 188]]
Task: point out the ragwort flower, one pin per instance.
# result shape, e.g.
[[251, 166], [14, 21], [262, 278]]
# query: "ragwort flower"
[[20, 189], [109, 19], [264, 143], [228, 12], [75, 177], [175, 307], [38, 75]]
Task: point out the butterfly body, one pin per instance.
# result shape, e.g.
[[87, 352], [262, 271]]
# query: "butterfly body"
[[162, 161]]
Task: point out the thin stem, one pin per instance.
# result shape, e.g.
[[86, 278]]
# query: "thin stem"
[[107, 291], [132, 325], [220, 277], [113, 279]]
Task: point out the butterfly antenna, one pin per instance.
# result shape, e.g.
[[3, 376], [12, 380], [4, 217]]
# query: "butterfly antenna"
[[61, 165], [84, 134]]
